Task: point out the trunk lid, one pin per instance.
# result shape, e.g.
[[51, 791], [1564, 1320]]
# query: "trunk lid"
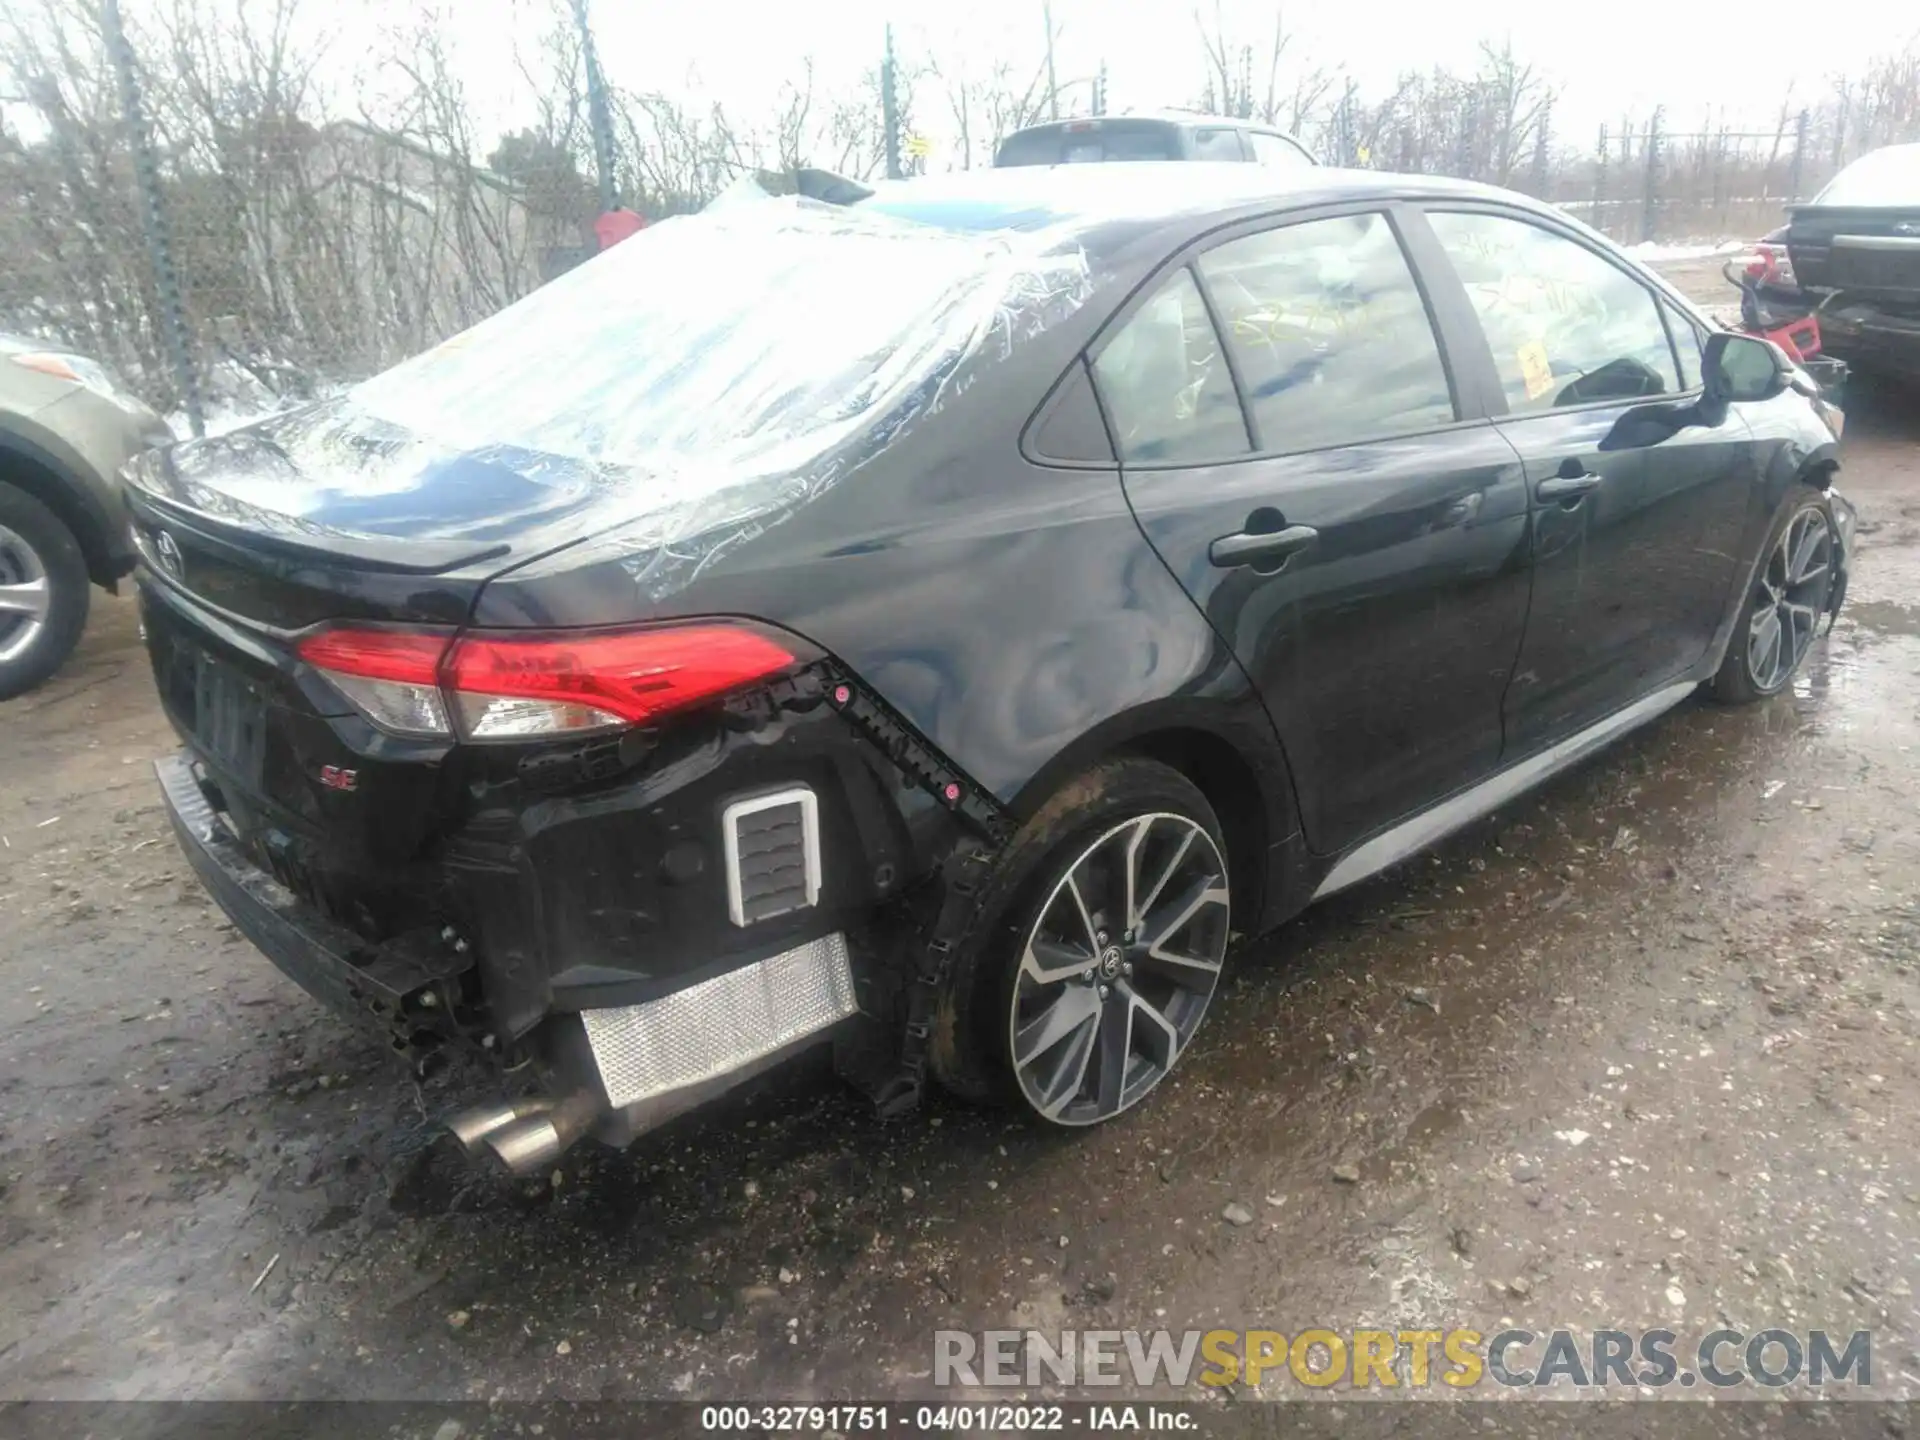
[[1868, 251], [334, 809], [329, 513], [323, 514]]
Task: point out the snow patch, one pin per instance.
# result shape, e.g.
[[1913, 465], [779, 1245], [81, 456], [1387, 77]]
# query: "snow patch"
[[1650, 251]]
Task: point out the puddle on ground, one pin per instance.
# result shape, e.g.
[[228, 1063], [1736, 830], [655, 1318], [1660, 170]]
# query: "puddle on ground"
[[1835, 692], [1886, 617]]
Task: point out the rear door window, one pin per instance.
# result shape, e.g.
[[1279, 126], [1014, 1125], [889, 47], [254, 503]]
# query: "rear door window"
[[1329, 332], [1167, 389], [1566, 326]]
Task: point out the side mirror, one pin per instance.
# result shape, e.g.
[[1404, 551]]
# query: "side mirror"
[[1734, 368]]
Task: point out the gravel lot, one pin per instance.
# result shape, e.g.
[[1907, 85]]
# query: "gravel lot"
[[1640, 1050]]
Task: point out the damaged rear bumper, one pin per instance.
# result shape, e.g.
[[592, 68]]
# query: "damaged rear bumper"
[[401, 987], [614, 1072], [1874, 336]]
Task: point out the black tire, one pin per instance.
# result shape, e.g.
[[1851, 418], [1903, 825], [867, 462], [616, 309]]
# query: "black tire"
[[1777, 604], [35, 547], [1132, 811]]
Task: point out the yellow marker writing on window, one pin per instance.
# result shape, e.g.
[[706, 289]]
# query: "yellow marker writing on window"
[[1536, 371]]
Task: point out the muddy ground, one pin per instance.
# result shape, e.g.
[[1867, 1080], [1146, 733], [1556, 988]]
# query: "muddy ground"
[[1639, 1051]]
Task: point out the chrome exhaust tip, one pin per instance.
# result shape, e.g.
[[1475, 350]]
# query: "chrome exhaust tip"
[[528, 1144], [471, 1127], [526, 1147]]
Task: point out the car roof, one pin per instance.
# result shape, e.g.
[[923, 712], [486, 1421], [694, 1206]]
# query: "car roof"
[[1075, 199], [1201, 118], [1158, 117]]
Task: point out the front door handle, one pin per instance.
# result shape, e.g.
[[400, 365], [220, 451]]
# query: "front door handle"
[[1568, 487], [1245, 547], [1463, 511]]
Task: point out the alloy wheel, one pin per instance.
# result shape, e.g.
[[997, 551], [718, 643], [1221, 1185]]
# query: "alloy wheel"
[[26, 596], [1117, 971], [1789, 595]]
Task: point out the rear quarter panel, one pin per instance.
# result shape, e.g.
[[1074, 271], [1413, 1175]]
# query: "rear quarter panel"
[[1013, 612]]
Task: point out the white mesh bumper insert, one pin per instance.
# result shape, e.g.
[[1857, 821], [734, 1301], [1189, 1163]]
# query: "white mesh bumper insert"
[[722, 1024]]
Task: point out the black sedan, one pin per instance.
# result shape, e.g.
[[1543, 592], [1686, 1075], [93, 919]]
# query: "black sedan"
[[1855, 249], [938, 624]]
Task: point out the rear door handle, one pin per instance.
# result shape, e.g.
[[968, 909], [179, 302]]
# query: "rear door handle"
[[1248, 548], [1568, 487]]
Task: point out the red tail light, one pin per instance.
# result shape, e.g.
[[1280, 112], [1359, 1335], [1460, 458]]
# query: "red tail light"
[[506, 685], [409, 656], [586, 680]]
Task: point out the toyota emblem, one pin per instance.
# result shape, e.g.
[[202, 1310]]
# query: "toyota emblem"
[[167, 551]]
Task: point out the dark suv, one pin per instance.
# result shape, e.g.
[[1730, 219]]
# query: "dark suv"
[[939, 623], [1152, 137]]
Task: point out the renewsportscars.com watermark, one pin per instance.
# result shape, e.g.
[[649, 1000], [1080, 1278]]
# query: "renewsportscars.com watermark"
[[1321, 1359]]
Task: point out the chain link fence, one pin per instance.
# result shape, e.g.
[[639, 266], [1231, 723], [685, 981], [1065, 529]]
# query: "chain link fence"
[[176, 202], [1641, 183], [223, 249]]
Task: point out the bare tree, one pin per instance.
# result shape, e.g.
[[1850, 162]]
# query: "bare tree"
[[1254, 83], [1514, 101], [316, 244], [984, 110], [793, 126]]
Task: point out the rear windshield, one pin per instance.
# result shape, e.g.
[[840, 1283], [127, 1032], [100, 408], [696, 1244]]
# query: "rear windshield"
[[743, 340], [1102, 140], [1885, 177]]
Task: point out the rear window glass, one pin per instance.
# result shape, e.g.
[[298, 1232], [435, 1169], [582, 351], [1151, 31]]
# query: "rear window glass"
[[1057, 145], [1885, 177], [740, 341], [1217, 144]]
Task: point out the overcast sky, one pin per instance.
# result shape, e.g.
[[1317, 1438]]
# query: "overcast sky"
[[1605, 59]]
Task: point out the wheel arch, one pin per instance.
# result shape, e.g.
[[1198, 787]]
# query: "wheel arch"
[[35, 471], [1234, 761], [1820, 468], [1813, 465], [1233, 789], [1813, 468]]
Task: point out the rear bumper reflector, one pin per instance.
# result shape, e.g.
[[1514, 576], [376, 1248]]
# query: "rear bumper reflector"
[[720, 1025], [773, 855]]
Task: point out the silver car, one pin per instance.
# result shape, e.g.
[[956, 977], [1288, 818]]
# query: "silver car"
[[67, 425]]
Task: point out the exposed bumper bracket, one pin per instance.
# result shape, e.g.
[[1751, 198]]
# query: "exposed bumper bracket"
[[385, 985]]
